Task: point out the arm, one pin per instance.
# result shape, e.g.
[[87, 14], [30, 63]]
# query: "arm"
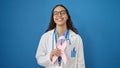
[[80, 55], [43, 56]]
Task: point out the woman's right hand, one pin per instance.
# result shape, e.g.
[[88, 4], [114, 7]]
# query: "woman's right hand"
[[55, 52]]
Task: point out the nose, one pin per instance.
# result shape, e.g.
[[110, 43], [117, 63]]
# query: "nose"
[[59, 14]]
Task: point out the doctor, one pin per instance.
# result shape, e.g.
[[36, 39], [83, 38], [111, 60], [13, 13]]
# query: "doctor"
[[48, 48]]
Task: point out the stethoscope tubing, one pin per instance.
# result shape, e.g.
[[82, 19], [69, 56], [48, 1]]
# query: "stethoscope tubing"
[[67, 38]]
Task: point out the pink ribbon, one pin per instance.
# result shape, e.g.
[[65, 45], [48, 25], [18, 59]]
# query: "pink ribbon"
[[62, 47]]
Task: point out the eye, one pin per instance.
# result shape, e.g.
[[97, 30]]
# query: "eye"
[[63, 12], [56, 13]]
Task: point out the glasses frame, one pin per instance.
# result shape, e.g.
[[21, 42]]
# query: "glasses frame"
[[62, 12]]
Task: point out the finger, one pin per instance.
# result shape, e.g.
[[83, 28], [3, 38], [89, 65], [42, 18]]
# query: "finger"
[[58, 49], [58, 53]]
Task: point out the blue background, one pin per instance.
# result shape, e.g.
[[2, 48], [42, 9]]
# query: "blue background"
[[22, 22]]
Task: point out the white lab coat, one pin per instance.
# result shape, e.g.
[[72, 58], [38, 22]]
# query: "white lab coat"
[[45, 47]]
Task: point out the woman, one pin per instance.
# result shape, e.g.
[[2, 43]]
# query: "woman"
[[60, 46]]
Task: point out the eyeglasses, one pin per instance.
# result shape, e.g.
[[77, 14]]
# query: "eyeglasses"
[[62, 12]]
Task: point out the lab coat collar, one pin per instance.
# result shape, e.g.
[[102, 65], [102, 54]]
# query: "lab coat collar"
[[72, 34], [71, 37]]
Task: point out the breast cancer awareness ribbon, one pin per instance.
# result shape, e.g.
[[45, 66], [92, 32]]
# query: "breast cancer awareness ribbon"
[[62, 47]]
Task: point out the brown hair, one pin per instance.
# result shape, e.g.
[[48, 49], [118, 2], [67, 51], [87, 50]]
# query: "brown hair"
[[52, 24]]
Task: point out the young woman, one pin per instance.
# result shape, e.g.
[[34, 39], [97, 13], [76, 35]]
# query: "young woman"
[[60, 46]]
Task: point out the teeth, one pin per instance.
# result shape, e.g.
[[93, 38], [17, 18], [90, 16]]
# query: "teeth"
[[60, 19]]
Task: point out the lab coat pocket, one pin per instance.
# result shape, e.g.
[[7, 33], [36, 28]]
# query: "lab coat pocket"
[[73, 53]]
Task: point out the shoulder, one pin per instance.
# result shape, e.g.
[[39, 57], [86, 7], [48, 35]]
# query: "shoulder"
[[73, 35]]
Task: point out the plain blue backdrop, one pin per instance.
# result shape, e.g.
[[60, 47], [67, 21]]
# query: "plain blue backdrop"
[[22, 22]]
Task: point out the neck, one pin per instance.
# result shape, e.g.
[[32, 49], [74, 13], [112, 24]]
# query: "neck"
[[61, 29]]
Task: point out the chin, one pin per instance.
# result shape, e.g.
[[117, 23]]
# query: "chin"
[[60, 24]]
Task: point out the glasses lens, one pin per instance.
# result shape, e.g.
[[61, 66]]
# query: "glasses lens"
[[62, 12]]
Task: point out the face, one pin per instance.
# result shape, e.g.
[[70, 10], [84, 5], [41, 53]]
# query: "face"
[[60, 16]]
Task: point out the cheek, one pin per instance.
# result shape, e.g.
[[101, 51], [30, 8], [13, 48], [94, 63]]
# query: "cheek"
[[66, 17]]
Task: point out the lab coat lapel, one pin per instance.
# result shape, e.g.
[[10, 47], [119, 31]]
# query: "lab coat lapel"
[[72, 37]]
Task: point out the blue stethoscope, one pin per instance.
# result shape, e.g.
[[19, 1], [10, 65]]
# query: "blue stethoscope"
[[53, 40], [67, 38]]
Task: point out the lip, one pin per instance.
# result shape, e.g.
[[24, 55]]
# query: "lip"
[[59, 19]]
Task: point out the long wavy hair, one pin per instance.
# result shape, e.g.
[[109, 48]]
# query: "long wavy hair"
[[52, 24]]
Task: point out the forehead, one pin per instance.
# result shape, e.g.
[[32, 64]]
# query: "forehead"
[[59, 8]]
